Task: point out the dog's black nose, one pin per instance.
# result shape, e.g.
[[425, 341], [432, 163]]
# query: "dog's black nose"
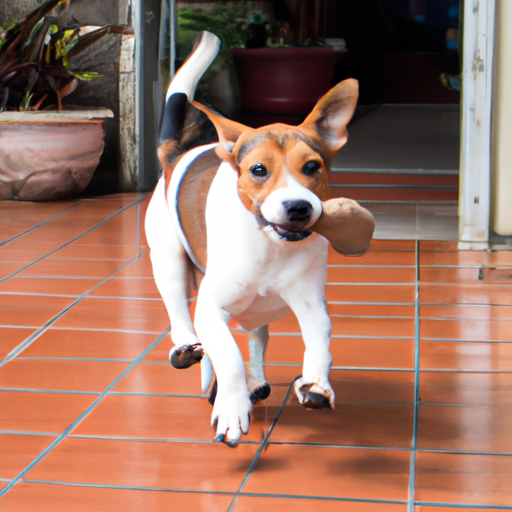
[[298, 211]]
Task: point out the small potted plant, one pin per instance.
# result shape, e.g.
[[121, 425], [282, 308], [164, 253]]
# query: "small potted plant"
[[282, 65], [48, 150]]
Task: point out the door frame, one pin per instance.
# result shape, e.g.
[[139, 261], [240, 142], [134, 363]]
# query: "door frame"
[[476, 107]]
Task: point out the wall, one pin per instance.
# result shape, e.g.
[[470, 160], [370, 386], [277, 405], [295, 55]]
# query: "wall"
[[501, 204]]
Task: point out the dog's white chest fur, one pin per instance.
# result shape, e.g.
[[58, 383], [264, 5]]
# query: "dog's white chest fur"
[[248, 272]]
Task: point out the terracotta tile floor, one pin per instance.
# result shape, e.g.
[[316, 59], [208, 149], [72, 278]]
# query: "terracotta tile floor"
[[92, 417]]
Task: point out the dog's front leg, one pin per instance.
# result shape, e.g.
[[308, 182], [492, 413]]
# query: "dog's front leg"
[[313, 388], [232, 407]]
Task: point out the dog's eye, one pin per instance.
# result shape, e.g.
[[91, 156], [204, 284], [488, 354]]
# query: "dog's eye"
[[259, 170], [311, 168]]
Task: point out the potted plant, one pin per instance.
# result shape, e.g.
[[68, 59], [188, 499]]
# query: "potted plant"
[[282, 64], [48, 151]]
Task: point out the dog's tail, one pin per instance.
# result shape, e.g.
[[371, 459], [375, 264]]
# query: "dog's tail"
[[184, 126]]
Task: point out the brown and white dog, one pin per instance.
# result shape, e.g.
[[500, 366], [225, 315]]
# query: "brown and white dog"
[[252, 213]]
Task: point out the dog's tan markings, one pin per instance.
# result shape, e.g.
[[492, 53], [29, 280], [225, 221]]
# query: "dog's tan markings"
[[315, 146], [192, 202], [166, 149], [248, 145]]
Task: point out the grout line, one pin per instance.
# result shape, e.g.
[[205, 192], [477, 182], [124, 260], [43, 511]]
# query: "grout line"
[[170, 440], [344, 336], [33, 228], [63, 358], [27, 342], [446, 340], [215, 493], [263, 446], [464, 506], [27, 433], [53, 251], [81, 417], [352, 303], [162, 395], [50, 391], [412, 471], [464, 370]]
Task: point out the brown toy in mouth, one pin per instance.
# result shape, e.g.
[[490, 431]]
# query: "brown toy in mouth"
[[347, 226]]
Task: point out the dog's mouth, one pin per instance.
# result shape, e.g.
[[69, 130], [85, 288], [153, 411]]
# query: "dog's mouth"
[[286, 233]]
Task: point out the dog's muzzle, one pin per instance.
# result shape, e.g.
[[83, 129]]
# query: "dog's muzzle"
[[298, 214]]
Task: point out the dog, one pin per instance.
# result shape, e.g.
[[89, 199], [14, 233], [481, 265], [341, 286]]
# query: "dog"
[[238, 207]]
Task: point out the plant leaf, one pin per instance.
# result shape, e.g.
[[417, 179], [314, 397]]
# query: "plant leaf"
[[91, 37]]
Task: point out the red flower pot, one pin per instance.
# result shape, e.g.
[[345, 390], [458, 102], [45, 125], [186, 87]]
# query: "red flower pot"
[[283, 81]]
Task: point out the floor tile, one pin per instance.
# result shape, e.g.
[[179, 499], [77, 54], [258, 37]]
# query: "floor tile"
[[62, 375], [9, 268], [347, 352], [371, 293], [350, 424], [353, 326], [463, 293], [116, 314], [331, 472], [450, 275], [478, 330], [89, 344], [209, 466], [376, 310], [99, 269], [463, 479], [26, 310], [466, 311], [78, 250], [18, 451], [465, 356], [60, 498], [10, 338], [161, 379], [372, 386], [257, 504], [353, 274], [47, 286], [489, 389], [465, 428], [386, 254], [150, 417], [20, 216], [141, 267], [128, 287], [41, 412], [446, 253]]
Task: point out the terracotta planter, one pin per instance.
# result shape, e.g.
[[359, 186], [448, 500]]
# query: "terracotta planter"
[[283, 81], [49, 155]]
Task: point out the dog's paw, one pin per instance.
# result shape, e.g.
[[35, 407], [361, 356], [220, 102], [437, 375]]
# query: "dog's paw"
[[186, 355], [260, 393], [314, 395], [231, 417]]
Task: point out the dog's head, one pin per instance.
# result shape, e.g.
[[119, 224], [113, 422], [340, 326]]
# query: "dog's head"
[[284, 170]]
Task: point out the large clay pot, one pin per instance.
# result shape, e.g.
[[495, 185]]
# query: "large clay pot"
[[49, 155], [283, 81]]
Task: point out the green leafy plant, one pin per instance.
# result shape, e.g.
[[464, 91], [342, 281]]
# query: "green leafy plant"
[[227, 24], [34, 58]]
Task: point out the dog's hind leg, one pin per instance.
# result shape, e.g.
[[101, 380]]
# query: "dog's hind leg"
[[258, 340], [171, 270]]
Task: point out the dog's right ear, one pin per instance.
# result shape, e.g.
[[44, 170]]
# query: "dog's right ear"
[[332, 113], [228, 131]]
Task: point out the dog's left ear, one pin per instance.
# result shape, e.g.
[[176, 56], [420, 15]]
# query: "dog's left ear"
[[332, 113], [228, 131]]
